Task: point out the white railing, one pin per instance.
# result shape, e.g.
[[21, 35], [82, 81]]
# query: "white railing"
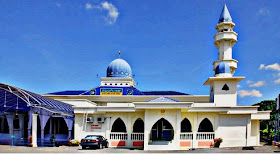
[[186, 136], [205, 135], [118, 136], [137, 136]]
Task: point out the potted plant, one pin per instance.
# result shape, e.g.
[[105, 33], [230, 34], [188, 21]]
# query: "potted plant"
[[217, 142], [75, 143]]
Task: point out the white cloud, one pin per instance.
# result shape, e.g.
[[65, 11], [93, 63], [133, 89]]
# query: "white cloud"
[[261, 66], [58, 4], [275, 67], [112, 11], [277, 81], [257, 84], [249, 82], [112, 14], [239, 86], [88, 6], [263, 12], [250, 93]]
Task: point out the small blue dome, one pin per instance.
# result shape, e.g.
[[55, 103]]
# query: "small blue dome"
[[119, 68], [223, 67]]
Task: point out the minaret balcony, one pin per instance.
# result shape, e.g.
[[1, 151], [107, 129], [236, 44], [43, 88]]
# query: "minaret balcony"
[[230, 35]]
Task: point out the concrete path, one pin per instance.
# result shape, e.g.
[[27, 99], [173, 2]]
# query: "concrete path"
[[67, 149]]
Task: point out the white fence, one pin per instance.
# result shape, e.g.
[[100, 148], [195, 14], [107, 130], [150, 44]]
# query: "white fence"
[[137, 136], [205, 135], [186, 136], [118, 136]]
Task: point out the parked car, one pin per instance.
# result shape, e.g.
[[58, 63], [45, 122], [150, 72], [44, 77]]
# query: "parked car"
[[92, 141]]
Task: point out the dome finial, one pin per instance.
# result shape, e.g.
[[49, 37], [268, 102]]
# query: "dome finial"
[[119, 54]]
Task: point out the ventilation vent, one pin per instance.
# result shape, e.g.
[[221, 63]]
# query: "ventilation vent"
[[225, 87]]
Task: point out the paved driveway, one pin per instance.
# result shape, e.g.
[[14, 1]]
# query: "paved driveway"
[[67, 149]]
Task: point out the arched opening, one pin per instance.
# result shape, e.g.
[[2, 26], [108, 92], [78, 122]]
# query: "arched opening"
[[205, 126], [186, 126], [4, 127], [118, 126], [56, 127], [162, 130], [138, 126]]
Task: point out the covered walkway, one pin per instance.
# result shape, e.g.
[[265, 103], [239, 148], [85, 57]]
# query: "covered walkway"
[[24, 114]]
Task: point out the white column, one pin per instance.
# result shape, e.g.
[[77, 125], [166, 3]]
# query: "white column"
[[217, 118], [21, 124], [108, 131], [10, 119], [248, 131], [146, 131], [34, 130], [195, 129], [178, 130], [129, 130], [258, 130]]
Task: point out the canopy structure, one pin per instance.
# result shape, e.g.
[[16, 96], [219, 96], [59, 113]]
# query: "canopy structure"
[[13, 99], [22, 110]]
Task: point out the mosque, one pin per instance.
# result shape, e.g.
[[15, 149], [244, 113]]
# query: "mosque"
[[131, 118]]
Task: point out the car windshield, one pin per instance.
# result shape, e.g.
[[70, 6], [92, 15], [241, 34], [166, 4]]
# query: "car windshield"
[[92, 137]]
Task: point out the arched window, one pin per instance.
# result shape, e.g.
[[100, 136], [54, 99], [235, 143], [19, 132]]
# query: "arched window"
[[118, 126], [186, 126], [205, 126], [138, 126], [162, 130]]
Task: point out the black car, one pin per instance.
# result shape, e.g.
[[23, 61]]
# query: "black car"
[[91, 141]]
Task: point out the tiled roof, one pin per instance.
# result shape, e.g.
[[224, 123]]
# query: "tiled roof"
[[162, 99]]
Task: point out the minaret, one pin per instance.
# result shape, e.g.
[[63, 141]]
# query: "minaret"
[[225, 39], [223, 87]]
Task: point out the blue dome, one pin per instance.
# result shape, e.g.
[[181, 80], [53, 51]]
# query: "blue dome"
[[223, 67], [119, 68]]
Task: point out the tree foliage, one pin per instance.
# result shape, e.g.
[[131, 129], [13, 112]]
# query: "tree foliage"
[[267, 126]]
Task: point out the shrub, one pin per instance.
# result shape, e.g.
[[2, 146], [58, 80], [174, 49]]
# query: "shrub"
[[75, 142]]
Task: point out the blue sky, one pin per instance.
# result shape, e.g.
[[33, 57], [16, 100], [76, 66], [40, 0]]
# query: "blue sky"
[[57, 45]]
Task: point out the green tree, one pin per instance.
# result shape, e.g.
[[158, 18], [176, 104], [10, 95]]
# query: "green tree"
[[267, 126]]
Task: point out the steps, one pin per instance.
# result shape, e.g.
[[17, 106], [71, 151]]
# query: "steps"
[[162, 145]]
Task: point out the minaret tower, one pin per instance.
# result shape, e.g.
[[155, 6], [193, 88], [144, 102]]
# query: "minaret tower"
[[225, 39], [223, 87]]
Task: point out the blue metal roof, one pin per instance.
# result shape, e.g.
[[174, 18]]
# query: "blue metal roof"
[[163, 93], [162, 99], [135, 91], [71, 92], [16, 99], [225, 15]]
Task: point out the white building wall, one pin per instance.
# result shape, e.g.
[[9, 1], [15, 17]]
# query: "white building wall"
[[225, 98], [232, 129]]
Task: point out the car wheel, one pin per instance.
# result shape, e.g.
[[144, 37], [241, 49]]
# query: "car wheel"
[[106, 145], [83, 147]]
